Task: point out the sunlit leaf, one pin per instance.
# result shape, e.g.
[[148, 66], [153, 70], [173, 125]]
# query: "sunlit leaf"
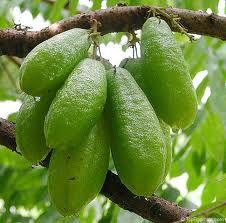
[[170, 193], [96, 4], [218, 88], [207, 209], [56, 11], [219, 192], [73, 6]]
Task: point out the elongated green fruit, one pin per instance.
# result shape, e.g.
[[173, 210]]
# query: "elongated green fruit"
[[137, 141], [166, 74], [77, 105], [76, 175], [166, 131], [47, 66], [30, 137], [134, 66]]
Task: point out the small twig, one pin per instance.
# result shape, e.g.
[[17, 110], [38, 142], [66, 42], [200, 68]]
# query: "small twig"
[[133, 52], [206, 212], [172, 18], [99, 52], [94, 35], [136, 51], [132, 41], [15, 60], [94, 51]]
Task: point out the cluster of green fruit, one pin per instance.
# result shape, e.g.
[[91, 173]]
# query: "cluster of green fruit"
[[79, 108]]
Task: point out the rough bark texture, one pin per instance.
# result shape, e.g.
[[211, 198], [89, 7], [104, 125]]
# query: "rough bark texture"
[[7, 134], [154, 208], [117, 19]]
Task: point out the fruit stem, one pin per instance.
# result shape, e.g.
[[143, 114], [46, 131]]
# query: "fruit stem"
[[172, 18], [94, 35], [132, 40]]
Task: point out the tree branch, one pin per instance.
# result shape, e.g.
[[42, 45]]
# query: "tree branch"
[[155, 209], [117, 19]]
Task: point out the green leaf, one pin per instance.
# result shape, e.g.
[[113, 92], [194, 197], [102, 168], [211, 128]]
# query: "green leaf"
[[211, 167], [170, 193], [73, 6], [198, 50], [212, 4], [161, 3], [112, 37], [213, 134], [208, 194], [198, 159], [96, 4], [68, 220], [224, 162], [34, 7], [210, 135], [111, 3], [201, 88], [200, 117], [207, 209], [195, 177], [56, 11], [177, 168], [32, 179], [187, 204], [9, 80], [12, 159], [181, 152], [215, 188], [45, 10], [29, 198], [197, 5], [193, 181], [4, 22], [48, 216], [12, 117], [218, 88], [110, 215]]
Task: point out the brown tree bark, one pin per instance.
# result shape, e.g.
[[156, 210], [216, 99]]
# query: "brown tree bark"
[[117, 19]]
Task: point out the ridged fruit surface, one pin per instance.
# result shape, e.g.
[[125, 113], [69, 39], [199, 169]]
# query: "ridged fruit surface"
[[166, 74], [47, 66], [30, 137], [137, 141], [134, 66], [76, 175], [78, 105], [166, 132]]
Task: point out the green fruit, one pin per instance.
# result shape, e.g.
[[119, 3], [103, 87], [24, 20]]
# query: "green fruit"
[[30, 137], [77, 105], [47, 66], [166, 131], [134, 66], [166, 74], [137, 141], [76, 175]]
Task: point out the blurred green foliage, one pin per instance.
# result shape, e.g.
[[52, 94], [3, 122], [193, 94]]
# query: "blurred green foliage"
[[199, 152]]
